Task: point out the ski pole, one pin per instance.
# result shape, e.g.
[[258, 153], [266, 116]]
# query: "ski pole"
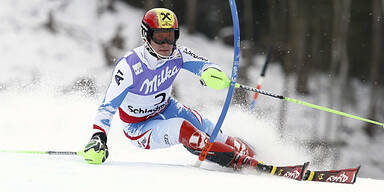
[[235, 67], [79, 153], [261, 79], [307, 104]]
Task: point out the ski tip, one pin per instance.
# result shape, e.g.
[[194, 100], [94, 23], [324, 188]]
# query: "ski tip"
[[305, 166], [304, 170], [357, 172], [358, 168]]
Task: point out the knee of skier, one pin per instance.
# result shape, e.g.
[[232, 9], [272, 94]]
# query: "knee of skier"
[[191, 137], [241, 146], [207, 126], [194, 141]]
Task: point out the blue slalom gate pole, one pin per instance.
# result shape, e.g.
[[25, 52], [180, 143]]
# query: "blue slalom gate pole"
[[235, 68]]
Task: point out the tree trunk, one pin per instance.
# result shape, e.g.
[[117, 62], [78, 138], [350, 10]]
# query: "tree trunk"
[[286, 55], [335, 47], [275, 33], [241, 96], [51, 22], [167, 4], [114, 48], [339, 61], [191, 15], [291, 57], [104, 6], [111, 5], [284, 106], [344, 60], [377, 31], [303, 68], [273, 23], [315, 59], [382, 7], [339, 66], [149, 4]]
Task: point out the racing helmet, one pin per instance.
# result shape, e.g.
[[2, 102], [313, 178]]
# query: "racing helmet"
[[160, 20]]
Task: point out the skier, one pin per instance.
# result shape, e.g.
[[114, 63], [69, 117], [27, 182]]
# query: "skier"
[[140, 90]]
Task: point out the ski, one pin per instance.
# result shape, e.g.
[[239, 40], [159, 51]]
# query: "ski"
[[333, 176], [292, 172]]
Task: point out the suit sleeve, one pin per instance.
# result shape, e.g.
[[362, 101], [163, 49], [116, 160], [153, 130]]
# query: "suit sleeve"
[[195, 63], [118, 88]]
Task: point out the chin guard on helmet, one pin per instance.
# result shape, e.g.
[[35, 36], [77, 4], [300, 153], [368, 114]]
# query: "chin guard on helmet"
[[159, 19]]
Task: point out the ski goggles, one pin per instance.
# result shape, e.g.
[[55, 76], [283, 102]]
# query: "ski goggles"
[[164, 36]]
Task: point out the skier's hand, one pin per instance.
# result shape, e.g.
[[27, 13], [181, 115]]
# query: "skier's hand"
[[96, 151], [215, 79]]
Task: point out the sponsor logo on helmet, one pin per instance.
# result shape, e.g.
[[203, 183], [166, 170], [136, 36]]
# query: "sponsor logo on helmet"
[[152, 85], [165, 18]]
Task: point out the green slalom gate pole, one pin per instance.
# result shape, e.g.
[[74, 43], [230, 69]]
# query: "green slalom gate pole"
[[78, 153], [308, 104]]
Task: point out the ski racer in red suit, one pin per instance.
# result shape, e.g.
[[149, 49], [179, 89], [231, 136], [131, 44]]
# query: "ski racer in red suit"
[[140, 90]]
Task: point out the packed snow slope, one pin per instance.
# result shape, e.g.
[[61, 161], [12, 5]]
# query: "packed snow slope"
[[36, 120], [41, 109]]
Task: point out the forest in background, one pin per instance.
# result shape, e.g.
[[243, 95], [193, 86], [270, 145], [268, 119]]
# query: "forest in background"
[[342, 39]]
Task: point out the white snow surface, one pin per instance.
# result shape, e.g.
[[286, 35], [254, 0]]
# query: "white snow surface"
[[37, 120], [37, 113]]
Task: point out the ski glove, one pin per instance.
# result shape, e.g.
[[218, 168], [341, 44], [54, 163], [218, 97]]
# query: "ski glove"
[[215, 79], [96, 151]]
